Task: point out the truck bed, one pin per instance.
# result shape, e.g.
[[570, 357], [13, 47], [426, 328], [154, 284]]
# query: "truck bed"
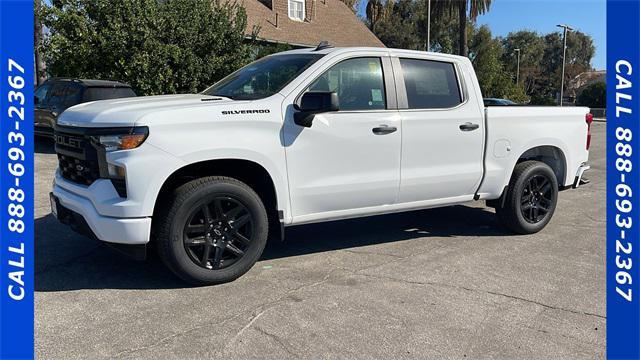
[[510, 131]]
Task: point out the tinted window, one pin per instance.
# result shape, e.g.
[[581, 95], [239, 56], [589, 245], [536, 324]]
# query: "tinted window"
[[41, 94], [56, 95], [106, 93], [430, 84], [264, 77], [358, 82], [72, 95]]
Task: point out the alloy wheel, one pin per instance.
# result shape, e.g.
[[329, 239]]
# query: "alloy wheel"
[[537, 198], [218, 233]]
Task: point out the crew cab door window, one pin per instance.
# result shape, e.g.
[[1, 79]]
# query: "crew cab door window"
[[358, 82], [430, 84]]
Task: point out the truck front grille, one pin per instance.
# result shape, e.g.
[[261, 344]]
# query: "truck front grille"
[[77, 158]]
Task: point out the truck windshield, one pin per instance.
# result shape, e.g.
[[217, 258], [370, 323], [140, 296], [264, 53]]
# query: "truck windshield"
[[262, 78]]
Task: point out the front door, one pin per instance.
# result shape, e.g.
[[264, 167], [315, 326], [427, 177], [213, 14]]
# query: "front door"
[[348, 161]]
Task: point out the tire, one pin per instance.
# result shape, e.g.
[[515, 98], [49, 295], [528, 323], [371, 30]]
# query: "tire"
[[219, 213], [531, 198]]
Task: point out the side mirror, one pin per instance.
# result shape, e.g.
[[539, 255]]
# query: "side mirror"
[[313, 103]]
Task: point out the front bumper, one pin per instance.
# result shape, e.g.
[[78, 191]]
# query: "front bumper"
[[80, 213]]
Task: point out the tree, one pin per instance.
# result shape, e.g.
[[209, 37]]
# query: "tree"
[[593, 96], [466, 10], [486, 53], [146, 43], [397, 27], [374, 12], [531, 48], [40, 73], [580, 51]]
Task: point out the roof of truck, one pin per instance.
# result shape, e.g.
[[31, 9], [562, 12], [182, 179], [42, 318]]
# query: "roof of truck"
[[93, 82], [330, 49]]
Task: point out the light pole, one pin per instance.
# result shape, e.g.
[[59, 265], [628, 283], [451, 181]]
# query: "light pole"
[[428, 25], [564, 55], [517, 67]]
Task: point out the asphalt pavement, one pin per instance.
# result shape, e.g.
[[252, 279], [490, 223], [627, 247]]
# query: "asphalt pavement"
[[446, 283]]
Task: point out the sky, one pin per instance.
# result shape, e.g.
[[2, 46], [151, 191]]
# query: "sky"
[[542, 16]]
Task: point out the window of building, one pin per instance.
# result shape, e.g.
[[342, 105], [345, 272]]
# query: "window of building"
[[430, 84], [296, 10]]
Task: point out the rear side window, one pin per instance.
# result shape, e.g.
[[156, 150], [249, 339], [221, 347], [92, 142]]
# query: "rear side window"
[[430, 84], [55, 96], [106, 93], [72, 95]]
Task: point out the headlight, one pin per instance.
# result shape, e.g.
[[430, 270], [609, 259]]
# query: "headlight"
[[125, 141]]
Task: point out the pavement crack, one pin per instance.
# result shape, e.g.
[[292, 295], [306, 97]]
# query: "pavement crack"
[[278, 340], [432, 283], [173, 336], [239, 333]]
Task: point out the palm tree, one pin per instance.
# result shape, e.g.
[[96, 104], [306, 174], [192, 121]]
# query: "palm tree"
[[375, 10], [467, 9]]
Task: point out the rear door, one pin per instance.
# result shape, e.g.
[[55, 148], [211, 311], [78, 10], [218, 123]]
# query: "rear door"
[[442, 132], [348, 161]]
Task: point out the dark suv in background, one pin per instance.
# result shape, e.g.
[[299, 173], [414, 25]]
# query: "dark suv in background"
[[58, 94]]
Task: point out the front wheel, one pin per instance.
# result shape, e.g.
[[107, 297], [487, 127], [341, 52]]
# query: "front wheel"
[[531, 198], [212, 230]]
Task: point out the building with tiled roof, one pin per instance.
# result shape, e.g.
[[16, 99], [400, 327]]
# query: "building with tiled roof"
[[303, 23]]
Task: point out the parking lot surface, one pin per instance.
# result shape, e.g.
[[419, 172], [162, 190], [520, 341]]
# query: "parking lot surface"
[[447, 283]]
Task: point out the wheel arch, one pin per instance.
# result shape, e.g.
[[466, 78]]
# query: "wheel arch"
[[551, 155], [250, 172]]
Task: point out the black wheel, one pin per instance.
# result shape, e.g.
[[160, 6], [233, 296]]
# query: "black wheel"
[[212, 230], [531, 198]]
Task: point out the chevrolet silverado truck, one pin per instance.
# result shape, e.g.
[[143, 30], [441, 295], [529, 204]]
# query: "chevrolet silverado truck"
[[306, 136]]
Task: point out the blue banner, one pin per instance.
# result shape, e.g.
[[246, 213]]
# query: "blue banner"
[[623, 181], [16, 179]]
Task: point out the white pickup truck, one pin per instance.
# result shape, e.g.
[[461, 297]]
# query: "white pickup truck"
[[306, 136]]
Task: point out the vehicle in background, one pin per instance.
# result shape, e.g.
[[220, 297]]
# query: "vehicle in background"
[[497, 102], [57, 94]]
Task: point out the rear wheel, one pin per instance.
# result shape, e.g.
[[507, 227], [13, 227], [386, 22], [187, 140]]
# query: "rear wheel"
[[531, 198], [212, 230]]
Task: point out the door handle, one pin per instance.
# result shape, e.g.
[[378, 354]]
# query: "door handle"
[[384, 129], [469, 126]]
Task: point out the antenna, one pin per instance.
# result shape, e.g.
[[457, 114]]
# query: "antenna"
[[324, 44]]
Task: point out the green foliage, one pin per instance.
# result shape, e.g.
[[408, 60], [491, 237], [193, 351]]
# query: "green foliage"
[[398, 26], [593, 96], [263, 49], [486, 53], [403, 24], [466, 10], [159, 47], [545, 100]]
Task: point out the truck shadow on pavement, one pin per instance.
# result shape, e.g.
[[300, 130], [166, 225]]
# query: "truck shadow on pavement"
[[67, 261]]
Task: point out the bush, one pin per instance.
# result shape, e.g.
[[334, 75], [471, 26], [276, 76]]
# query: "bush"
[[158, 47], [593, 96]]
